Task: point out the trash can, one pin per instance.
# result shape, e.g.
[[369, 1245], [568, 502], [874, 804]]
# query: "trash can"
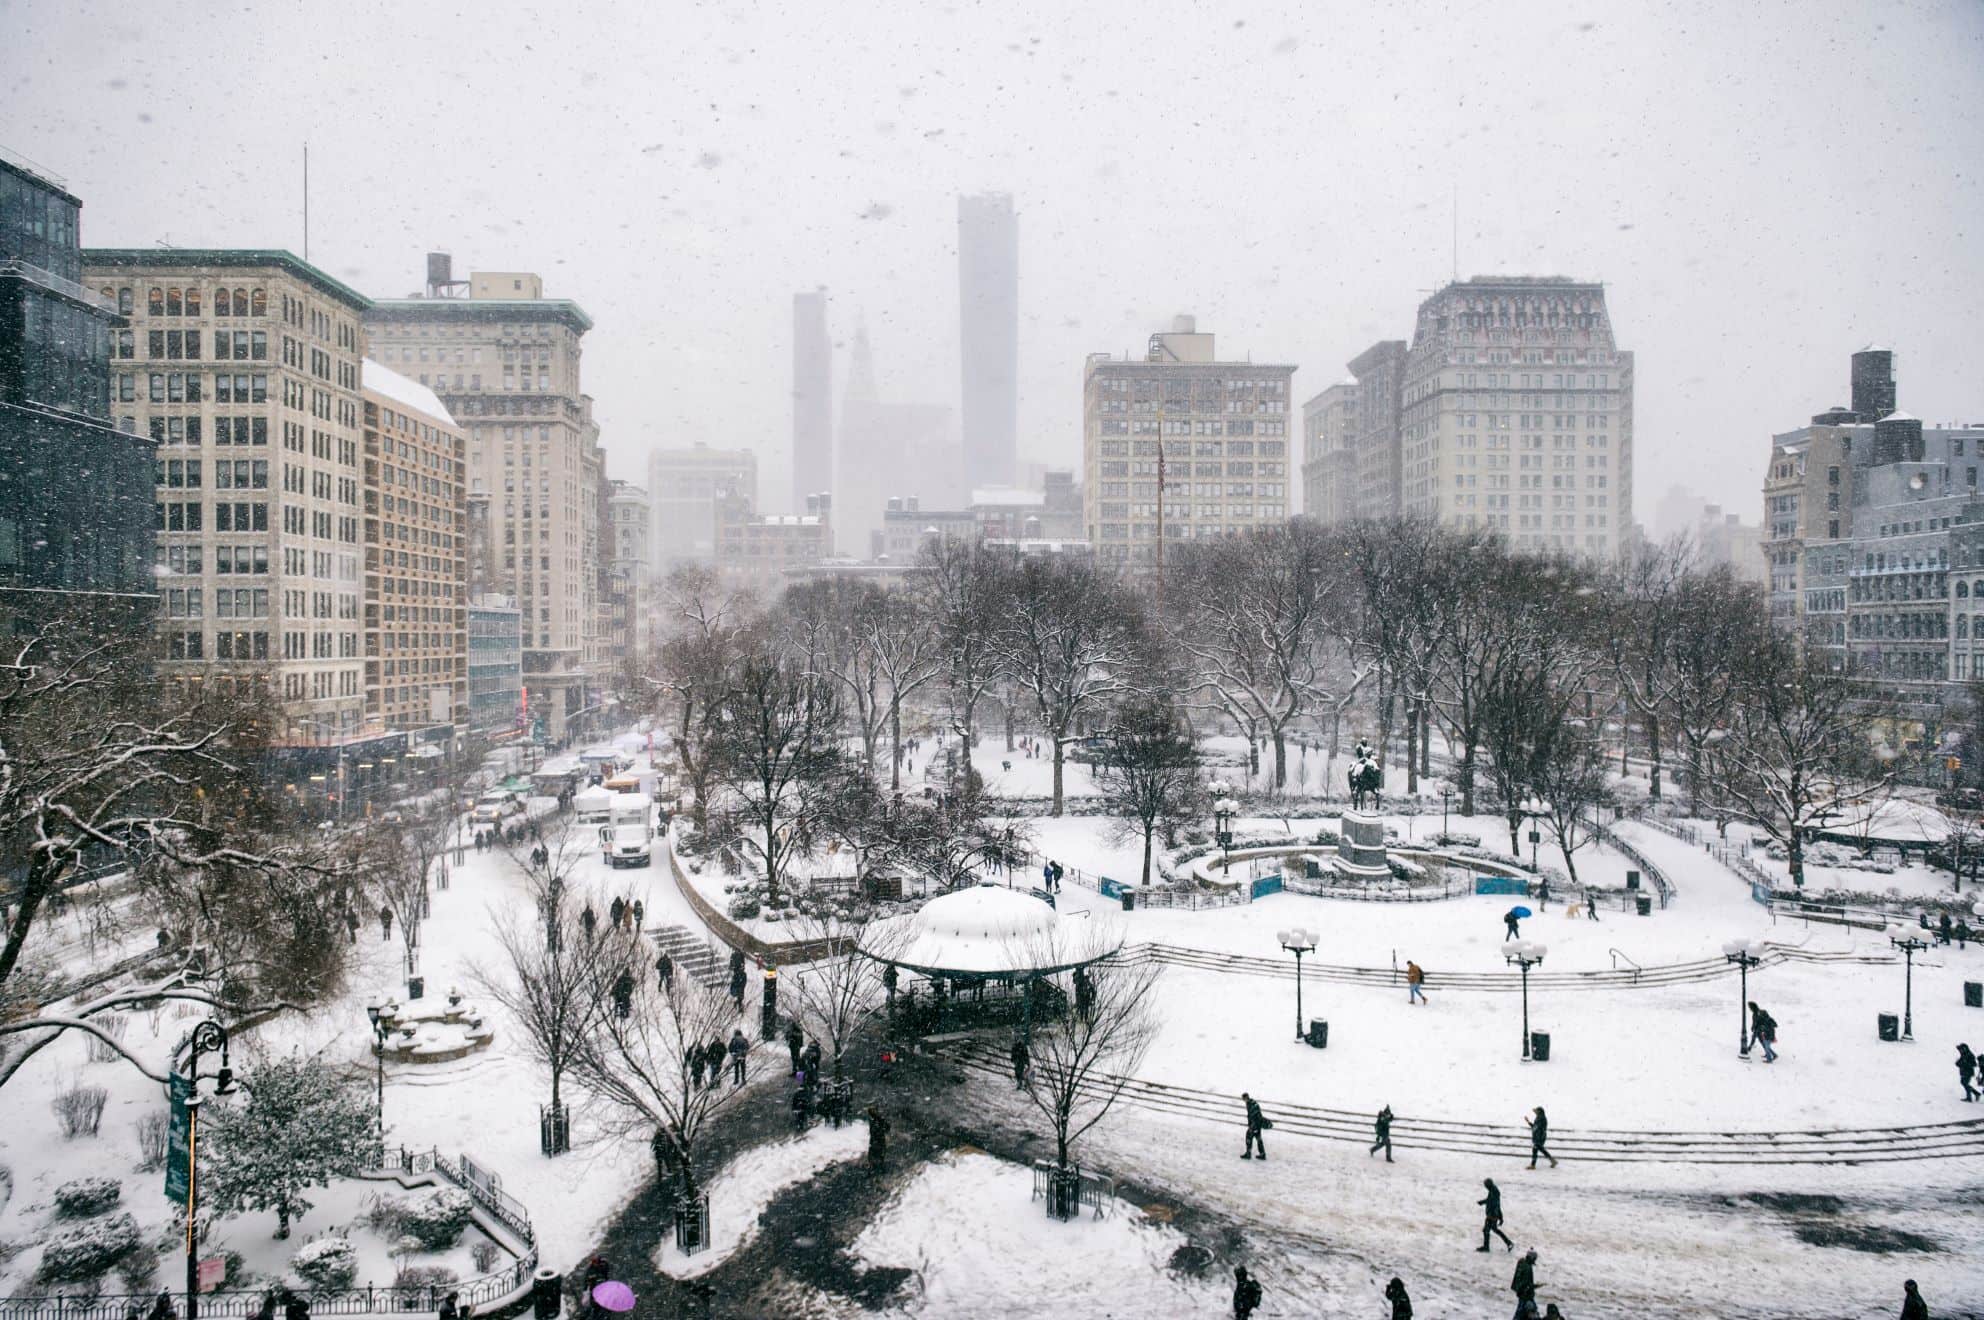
[[547, 1294], [1644, 904], [1539, 1046], [416, 986], [1973, 994], [1890, 1027], [1319, 1034], [1632, 879], [1129, 899]]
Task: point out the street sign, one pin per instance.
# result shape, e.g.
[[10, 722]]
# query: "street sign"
[[178, 1142], [213, 1273]]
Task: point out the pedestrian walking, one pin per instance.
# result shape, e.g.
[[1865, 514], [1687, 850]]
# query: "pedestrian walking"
[[1763, 1030], [1962, 934], [1551, 1312], [162, 1307], [351, 923], [1912, 1305], [737, 984], [1020, 1059], [1944, 932], [1382, 1126], [1966, 1068], [1526, 1309], [1047, 876], [714, 1054], [1256, 1124], [1246, 1293], [1058, 873], [1539, 1135], [878, 1138], [739, 1047], [1491, 1216], [296, 1308], [1415, 982], [266, 1311], [664, 968], [1590, 904], [811, 1061], [385, 923], [617, 913], [623, 995], [1523, 1283], [695, 1067], [449, 1311], [1509, 924], [639, 912], [802, 1105], [1543, 895], [597, 1272], [794, 1041], [1401, 1302], [590, 920], [1084, 994]]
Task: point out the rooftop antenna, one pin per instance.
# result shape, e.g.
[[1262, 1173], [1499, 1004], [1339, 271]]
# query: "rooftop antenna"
[[1456, 233], [306, 199]]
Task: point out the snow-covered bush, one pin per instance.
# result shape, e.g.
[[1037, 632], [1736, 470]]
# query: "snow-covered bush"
[[135, 1271], [113, 1025], [154, 1133], [436, 1218], [414, 1278], [327, 1264], [743, 909], [89, 1249], [80, 1110], [484, 1254], [81, 1198]]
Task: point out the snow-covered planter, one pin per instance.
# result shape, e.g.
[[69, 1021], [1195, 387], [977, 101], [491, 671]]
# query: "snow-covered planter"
[[327, 1264], [436, 1218], [83, 1197], [89, 1249], [743, 909]]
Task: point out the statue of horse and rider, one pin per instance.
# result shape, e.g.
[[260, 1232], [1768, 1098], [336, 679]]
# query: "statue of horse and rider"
[[1365, 776]]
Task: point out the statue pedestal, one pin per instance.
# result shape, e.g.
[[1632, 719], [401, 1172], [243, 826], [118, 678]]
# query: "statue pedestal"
[[1360, 853]]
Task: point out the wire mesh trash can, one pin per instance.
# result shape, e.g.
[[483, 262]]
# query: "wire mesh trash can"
[[547, 1294], [1539, 1046], [1318, 1035], [416, 986], [1890, 1027], [1973, 994], [1644, 905]]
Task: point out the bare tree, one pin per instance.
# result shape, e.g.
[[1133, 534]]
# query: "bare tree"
[[693, 670], [1649, 591], [837, 994], [1148, 772], [967, 588], [909, 654], [775, 747], [833, 622], [1084, 1056], [1573, 778], [1723, 627]]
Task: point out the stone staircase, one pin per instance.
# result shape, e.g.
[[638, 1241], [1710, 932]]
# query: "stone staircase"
[[694, 954]]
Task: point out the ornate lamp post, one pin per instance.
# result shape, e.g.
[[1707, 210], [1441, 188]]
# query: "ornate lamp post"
[[1298, 942], [1524, 954], [207, 1037], [1745, 954], [382, 1016], [1534, 809], [1910, 944], [1446, 796], [1224, 809]]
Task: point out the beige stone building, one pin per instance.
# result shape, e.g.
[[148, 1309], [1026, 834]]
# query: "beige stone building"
[[505, 363], [244, 365], [1223, 427], [416, 561], [1329, 454], [1517, 414], [684, 486], [757, 550]]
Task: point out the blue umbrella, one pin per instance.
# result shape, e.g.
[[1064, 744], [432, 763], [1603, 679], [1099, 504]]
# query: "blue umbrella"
[[1518, 911]]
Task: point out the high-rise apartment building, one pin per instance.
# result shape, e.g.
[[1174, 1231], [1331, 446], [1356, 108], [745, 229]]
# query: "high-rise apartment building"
[[1380, 375], [1330, 486], [243, 366], [75, 490], [505, 363], [495, 665], [812, 399], [1517, 414], [631, 563], [416, 559], [684, 486], [1223, 428], [989, 336]]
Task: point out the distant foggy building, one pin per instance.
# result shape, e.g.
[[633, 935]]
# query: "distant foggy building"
[[887, 449], [989, 336], [1224, 431], [1053, 512], [758, 550], [1517, 414], [907, 527], [812, 399], [684, 486], [1329, 454], [1723, 539], [1378, 446], [630, 560]]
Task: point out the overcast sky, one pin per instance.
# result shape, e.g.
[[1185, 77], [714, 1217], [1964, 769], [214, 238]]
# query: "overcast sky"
[[1763, 188]]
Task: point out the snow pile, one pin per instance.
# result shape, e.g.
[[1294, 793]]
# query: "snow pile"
[[964, 1221], [750, 1182]]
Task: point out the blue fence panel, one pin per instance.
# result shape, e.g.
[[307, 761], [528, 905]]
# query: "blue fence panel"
[[1500, 884], [1109, 888], [1265, 885]]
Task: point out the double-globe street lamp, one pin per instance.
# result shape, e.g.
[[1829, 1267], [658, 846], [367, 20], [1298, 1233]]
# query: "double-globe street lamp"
[[1910, 944], [1524, 954], [1534, 809], [1745, 954], [1224, 809], [207, 1037], [1298, 942], [382, 1016]]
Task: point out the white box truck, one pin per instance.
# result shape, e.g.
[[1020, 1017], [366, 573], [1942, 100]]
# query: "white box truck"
[[593, 806], [627, 836]]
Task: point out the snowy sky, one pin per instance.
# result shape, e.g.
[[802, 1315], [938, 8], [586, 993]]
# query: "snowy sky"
[[1763, 187]]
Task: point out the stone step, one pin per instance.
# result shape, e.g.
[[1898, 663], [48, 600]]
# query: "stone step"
[[693, 953]]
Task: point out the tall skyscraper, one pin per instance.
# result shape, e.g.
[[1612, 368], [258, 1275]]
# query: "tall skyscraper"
[[1224, 431], [887, 449], [989, 337], [812, 399]]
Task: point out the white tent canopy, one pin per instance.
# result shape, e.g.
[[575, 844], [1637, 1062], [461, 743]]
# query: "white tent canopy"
[[987, 931]]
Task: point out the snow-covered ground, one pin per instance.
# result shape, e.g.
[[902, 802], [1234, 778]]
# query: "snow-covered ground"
[[752, 1179]]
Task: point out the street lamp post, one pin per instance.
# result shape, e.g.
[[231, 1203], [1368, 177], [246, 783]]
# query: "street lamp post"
[[382, 1016], [1524, 954], [1534, 809], [1910, 944], [1298, 942], [207, 1037], [1745, 954], [1446, 796], [1224, 809]]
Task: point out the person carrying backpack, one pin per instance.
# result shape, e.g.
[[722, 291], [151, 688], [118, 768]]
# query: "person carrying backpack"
[[1415, 982], [1246, 1293], [1256, 1124]]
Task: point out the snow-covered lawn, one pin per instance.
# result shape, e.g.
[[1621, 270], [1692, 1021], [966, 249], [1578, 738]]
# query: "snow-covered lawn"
[[749, 1182]]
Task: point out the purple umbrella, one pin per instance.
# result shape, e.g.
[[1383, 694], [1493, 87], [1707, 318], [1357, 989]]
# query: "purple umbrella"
[[613, 1296]]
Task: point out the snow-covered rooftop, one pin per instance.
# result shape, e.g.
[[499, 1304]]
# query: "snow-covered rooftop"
[[408, 393], [1007, 495], [1899, 416], [986, 930]]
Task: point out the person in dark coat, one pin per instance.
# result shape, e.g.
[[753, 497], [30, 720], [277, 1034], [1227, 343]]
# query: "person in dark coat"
[[1058, 873], [1510, 924], [617, 913], [737, 984], [162, 1308], [597, 1272], [590, 920], [739, 1047], [267, 1310], [1256, 1124], [1020, 1059], [714, 1054], [1491, 1216], [449, 1311], [1962, 933], [1539, 1136], [1763, 1030], [812, 1060], [802, 1105], [1966, 1068], [385, 923], [696, 1056], [794, 1041], [1401, 1303], [1943, 929], [1523, 1284], [664, 967], [1912, 1305], [1246, 1293], [878, 1138], [623, 995], [297, 1307], [1382, 1126]]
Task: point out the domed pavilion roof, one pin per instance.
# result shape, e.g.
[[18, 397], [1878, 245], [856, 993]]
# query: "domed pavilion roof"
[[986, 931]]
